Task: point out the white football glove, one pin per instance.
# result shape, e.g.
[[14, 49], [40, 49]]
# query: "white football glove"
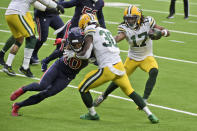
[[69, 54]]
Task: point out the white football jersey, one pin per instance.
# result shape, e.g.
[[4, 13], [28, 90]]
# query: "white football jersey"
[[104, 46], [19, 7], [139, 41]]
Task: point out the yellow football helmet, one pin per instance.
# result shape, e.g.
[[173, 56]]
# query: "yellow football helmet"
[[87, 19], [132, 16]]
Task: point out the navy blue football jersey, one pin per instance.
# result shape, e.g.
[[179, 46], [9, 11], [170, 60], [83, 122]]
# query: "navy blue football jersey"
[[85, 6], [71, 67]]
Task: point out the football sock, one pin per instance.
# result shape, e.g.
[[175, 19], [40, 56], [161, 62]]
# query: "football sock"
[[150, 82], [87, 99], [27, 56], [11, 40], [137, 99], [110, 89], [147, 111], [10, 59], [92, 111]]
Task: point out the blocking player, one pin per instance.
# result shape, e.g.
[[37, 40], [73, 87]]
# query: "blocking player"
[[57, 77], [110, 67], [81, 7], [137, 30], [22, 26]]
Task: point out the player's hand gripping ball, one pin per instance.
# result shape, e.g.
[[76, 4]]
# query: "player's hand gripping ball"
[[155, 34]]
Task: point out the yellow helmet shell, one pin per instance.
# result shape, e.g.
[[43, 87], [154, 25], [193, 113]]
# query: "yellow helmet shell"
[[85, 19], [132, 10]]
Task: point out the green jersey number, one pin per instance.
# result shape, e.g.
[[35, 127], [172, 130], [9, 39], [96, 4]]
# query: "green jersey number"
[[140, 36], [109, 38]]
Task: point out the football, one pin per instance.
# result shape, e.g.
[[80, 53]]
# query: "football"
[[155, 34]]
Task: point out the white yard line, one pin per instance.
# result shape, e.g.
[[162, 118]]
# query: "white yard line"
[[161, 57], [169, 22], [192, 22], [177, 41], [179, 2], [127, 99]]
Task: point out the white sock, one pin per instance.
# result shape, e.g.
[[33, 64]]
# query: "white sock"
[[10, 59], [92, 111], [147, 111], [27, 55]]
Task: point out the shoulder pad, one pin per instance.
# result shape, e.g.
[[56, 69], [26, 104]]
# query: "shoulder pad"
[[90, 29], [122, 28], [151, 21]]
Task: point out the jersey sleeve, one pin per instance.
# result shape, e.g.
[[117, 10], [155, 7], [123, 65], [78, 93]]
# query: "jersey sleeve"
[[90, 30], [121, 28], [151, 21]]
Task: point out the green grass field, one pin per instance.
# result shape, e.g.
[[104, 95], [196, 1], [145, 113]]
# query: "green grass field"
[[173, 99]]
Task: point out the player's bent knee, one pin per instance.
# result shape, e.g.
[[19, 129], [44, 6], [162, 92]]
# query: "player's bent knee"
[[31, 42], [153, 72]]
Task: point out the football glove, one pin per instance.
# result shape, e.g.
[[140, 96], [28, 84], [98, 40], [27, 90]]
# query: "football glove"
[[60, 9], [155, 34]]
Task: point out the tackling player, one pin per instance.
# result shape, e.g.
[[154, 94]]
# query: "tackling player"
[[138, 31], [110, 67]]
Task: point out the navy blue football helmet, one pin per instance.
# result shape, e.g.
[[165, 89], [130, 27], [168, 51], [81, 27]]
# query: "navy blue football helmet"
[[76, 39]]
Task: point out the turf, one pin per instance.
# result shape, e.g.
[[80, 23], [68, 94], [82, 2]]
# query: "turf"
[[175, 87]]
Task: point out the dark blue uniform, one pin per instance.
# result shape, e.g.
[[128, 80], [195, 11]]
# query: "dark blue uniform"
[[85, 6], [44, 20], [54, 80]]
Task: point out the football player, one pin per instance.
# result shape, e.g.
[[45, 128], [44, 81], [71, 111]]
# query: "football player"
[[110, 67], [44, 20], [57, 77], [22, 26], [81, 7], [139, 31]]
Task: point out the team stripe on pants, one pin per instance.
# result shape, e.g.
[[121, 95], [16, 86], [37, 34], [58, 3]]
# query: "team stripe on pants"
[[91, 80], [26, 25]]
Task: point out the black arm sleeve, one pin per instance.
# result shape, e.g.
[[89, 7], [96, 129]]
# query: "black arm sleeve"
[[68, 4]]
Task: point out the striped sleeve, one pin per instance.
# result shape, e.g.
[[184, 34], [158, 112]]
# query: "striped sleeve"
[[90, 30], [151, 21], [121, 28]]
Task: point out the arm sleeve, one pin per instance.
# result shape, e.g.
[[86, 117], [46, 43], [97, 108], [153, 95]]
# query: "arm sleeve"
[[48, 3], [68, 4], [39, 6]]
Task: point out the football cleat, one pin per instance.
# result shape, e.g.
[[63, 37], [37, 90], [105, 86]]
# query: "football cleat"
[[34, 60], [153, 119], [26, 72], [89, 117], [15, 109], [43, 66], [99, 100], [8, 69], [16, 94]]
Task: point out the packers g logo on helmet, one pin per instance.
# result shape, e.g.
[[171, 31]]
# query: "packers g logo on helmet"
[[87, 19], [132, 16]]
